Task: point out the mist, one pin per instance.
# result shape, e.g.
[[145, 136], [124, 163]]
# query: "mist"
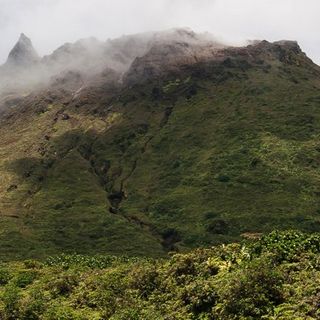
[[106, 50], [50, 23]]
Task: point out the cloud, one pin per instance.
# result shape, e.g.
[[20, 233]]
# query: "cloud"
[[50, 23]]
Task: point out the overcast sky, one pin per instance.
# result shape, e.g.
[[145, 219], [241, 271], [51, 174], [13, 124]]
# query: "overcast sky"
[[50, 23]]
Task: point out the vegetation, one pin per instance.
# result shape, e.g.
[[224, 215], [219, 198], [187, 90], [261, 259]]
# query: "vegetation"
[[276, 277], [195, 159]]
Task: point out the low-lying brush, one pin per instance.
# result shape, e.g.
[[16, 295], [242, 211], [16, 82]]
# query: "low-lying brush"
[[276, 277]]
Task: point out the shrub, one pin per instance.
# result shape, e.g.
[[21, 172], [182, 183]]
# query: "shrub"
[[287, 245], [25, 278], [67, 261], [253, 291], [32, 306], [137, 313], [4, 276], [32, 264], [61, 312], [63, 285], [199, 296], [218, 226], [144, 278], [10, 299], [223, 178]]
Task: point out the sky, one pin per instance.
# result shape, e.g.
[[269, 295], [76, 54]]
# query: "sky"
[[50, 23]]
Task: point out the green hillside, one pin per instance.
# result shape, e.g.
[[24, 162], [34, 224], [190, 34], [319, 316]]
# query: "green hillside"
[[195, 158]]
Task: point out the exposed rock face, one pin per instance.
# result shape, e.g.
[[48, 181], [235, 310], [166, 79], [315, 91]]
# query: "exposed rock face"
[[126, 49], [23, 53], [170, 57], [22, 69]]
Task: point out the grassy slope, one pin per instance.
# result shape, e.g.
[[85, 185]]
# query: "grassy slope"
[[195, 162], [240, 156]]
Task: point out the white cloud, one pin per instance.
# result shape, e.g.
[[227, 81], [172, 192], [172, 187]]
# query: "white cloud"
[[50, 23]]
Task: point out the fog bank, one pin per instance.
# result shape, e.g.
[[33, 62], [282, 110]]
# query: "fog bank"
[[50, 23]]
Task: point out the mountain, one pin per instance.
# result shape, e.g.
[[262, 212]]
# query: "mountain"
[[158, 142], [18, 73], [24, 71], [23, 53]]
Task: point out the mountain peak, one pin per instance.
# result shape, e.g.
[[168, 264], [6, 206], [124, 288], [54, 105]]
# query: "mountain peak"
[[23, 53], [23, 37]]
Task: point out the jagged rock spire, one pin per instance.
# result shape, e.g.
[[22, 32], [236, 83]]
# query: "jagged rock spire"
[[23, 53]]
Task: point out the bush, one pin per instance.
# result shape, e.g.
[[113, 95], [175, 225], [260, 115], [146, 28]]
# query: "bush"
[[25, 278], [223, 178], [199, 297], [287, 245], [218, 226], [4, 276], [67, 261], [10, 299], [252, 291], [63, 313], [144, 278], [32, 264], [32, 306]]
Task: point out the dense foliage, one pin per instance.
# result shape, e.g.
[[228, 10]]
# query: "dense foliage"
[[276, 277]]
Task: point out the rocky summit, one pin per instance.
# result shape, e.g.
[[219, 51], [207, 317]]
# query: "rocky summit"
[[23, 53], [156, 142]]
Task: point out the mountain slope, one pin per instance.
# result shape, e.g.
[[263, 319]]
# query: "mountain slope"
[[191, 152]]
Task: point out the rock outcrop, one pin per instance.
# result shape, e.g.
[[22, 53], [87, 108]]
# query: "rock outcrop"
[[23, 53]]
